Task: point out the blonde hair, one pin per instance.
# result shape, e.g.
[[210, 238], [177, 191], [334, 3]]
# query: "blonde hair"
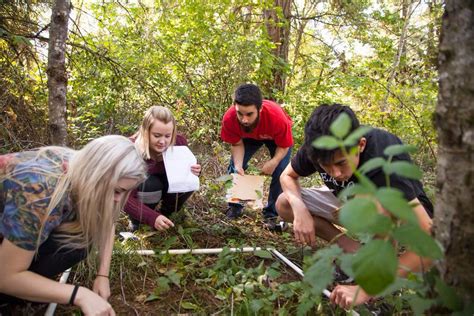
[[91, 178], [161, 114]]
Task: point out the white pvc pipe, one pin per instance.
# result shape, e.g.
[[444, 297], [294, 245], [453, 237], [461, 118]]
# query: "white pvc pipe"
[[52, 306], [195, 251]]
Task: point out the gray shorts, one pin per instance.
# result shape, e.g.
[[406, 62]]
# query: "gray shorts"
[[321, 202]]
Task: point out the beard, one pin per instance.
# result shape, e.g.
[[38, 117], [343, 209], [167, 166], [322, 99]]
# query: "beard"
[[249, 128]]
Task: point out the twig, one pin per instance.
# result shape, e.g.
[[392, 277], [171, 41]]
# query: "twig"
[[123, 293]]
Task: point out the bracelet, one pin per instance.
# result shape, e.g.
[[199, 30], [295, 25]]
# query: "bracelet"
[[102, 275], [73, 295]]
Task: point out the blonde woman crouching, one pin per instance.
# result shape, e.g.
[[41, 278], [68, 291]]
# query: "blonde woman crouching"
[[56, 206], [151, 203]]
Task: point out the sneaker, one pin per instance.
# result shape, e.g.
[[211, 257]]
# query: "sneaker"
[[133, 225], [234, 211], [272, 224], [340, 277]]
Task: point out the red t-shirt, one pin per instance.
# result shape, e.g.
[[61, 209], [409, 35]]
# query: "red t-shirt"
[[274, 124]]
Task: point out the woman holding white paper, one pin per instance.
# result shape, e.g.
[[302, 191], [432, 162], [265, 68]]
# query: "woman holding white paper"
[[151, 203]]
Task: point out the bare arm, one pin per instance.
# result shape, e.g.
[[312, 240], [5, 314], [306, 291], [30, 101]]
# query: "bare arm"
[[237, 151], [303, 223], [102, 282], [271, 164], [16, 280]]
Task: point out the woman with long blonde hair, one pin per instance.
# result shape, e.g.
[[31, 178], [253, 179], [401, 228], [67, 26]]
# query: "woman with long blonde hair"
[[56, 206], [150, 203]]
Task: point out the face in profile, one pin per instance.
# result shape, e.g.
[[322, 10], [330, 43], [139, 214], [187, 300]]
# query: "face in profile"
[[341, 167], [248, 117], [161, 135], [124, 185]]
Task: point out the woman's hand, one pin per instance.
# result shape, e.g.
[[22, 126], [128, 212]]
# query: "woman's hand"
[[92, 304], [345, 296], [102, 287], [196, 169], [163, 223]]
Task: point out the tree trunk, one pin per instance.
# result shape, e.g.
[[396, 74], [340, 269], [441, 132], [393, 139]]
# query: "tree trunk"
[[454, 213], [278, 28], [57, 76]]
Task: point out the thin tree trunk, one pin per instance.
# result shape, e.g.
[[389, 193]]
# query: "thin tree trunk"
[[279, 31], [454, 213], [57, 76]]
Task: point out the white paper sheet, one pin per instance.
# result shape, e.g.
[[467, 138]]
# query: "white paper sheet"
[[178, 161]]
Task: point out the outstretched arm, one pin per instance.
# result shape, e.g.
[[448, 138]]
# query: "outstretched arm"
[[16, 280], [237, 151], [102, 282]]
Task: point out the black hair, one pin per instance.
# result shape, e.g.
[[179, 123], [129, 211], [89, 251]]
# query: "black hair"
[[248, 94], [318, 125]]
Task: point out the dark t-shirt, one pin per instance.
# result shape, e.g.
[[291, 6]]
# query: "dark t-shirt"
[[377, 141]]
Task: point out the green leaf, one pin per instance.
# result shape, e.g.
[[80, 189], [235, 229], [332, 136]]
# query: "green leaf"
[[418, 241], [354, 190], [448, 295], [189, 305], [341, 125], [382, 225], [256, 305], [319, 275], [151, 297], [326, 142], [419, 305], [394, 150], [404, 169], [375, 266], [162, 285], [372, 164], [259, 194], [358, 214], [356, 135], [263, 254], [393, 201], [174, 277]]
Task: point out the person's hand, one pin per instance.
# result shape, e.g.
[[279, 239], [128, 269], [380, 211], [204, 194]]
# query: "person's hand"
[[303, 228], [269, 167], [163, 223], [92, 304], [101, 286], [240, 170], [345, 296], [196, 169]]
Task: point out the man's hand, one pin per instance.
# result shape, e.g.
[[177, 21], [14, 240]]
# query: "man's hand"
[[345, 296], [303, 228], [240, 170], [163, 223], [269, 167]]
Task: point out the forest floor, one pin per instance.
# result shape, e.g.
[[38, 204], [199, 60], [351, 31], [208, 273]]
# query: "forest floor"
[[225, 284]]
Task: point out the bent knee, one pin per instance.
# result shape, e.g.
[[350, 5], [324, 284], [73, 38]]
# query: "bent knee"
[[283, 207]]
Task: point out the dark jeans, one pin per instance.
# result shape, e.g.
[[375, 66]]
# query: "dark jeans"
[[170, 202], [50, 262], [251, 146]]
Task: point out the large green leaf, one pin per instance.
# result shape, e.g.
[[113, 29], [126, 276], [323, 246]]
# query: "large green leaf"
[[354, 137], [341, 126], [418, 241], [327, 142], [404, 169], [354, 190], [394, 150], [372, 164], [448, 295], [263, 254], [358, 214], [375, 266], [393, 201]]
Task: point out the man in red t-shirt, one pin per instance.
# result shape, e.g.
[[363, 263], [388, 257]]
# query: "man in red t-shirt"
[[247, 125]]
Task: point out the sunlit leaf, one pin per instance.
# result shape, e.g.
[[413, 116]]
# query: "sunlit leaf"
[[395, 150], [356, 135], [404, 169], [326, 142], [341, 125], [372, 164], [375, 266], [263, 254], [393, 201], [417, 240], [189, 305]]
